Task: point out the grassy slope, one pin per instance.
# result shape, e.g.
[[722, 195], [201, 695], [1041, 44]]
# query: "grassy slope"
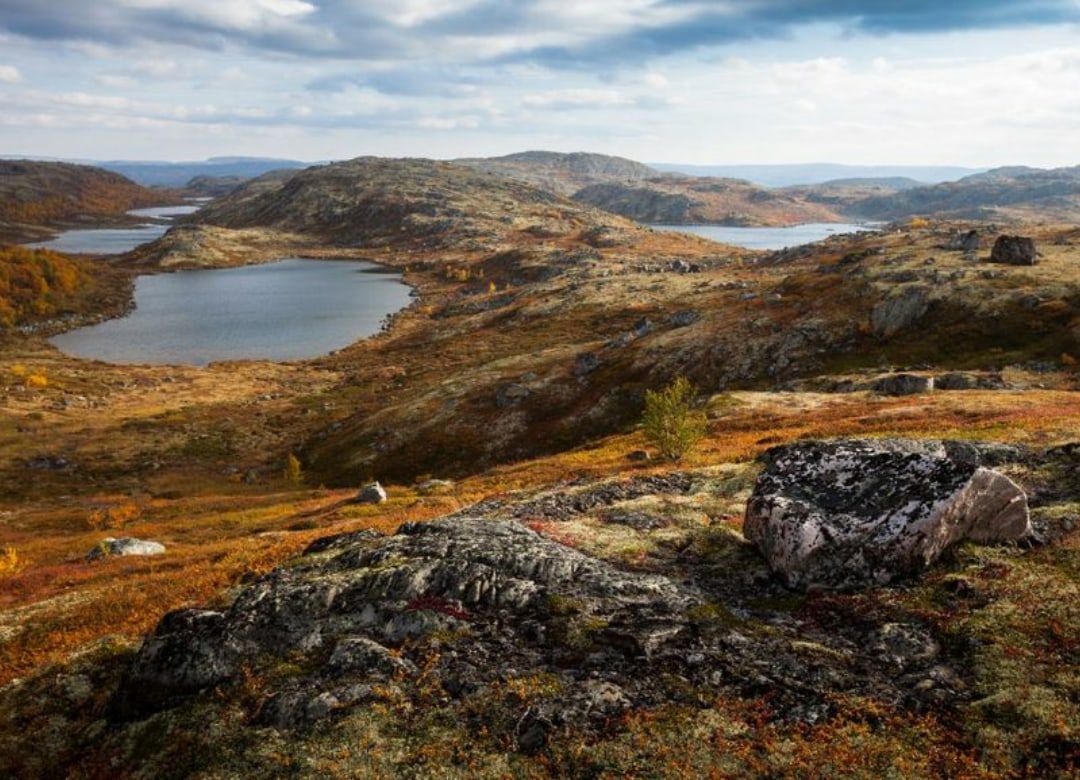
[[219, 530]]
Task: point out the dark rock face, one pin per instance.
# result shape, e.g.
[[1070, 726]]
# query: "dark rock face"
[[851, 513], [352, 599], [511, 395], [48, 463], [1014, 250], [585, 364], [685, 318], [900, 310], [960, 380], [903, 384]]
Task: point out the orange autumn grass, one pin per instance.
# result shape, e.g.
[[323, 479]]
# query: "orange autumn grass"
[[221, 532]]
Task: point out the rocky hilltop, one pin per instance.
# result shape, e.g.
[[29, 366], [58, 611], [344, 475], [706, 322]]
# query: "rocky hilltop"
[[562, 173], [636, 191], [368, 203], [36, 196]]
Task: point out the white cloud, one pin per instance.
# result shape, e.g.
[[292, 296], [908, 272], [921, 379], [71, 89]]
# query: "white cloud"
[[9, 74], [577, 98], [116, 81]]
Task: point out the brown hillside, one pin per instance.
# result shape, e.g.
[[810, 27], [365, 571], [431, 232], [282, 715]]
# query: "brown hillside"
[[36, 194]]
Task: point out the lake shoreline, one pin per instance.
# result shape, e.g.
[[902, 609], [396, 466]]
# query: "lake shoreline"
[[273, 330], [766, 239]]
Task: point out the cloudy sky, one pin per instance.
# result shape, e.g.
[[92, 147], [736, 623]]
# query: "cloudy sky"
[[968, 82]]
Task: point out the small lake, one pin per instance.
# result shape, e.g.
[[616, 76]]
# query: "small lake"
[[115, 241], [767, 238], [288, 310]]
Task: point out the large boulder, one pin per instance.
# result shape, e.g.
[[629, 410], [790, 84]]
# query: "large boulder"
[[903, 384], [372, 493], [1014, 250], [850, 513], [110, 547]]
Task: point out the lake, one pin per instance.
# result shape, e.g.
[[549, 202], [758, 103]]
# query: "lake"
[[766, 238], [288, 310], [115, 241]]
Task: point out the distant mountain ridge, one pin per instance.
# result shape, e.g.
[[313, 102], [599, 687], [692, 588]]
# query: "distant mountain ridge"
[[178, 174], [1013, 192], [788, 175]]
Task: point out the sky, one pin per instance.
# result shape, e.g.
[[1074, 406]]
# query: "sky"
[[942, 82]]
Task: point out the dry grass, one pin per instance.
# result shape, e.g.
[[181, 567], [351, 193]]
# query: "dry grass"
[[218, 530]]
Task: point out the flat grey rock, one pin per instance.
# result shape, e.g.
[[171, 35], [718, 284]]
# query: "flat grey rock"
[[110, 547]]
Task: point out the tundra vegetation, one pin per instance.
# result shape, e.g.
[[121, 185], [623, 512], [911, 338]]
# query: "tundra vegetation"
[[671, 422], [509, 397]]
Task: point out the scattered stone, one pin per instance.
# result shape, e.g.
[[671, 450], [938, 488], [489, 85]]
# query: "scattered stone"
[[586, 363], [684, 318], [372, 493], [960, 380], [110, 547], [1014, 250], [361, 655], [850, 513], [901, 645], [639, 521], [511, 395], [956, 380], [902, 309], [964, 242], [642, 327], [903, 384], [429, 486], [48, 463]]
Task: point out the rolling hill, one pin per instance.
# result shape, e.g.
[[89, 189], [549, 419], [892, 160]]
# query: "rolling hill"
[[688, 200], [1010, 193], [35, 196], [562, 173]]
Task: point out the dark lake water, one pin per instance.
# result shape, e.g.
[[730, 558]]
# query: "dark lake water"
[[766, 238], [114, 241], [287, 310]]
